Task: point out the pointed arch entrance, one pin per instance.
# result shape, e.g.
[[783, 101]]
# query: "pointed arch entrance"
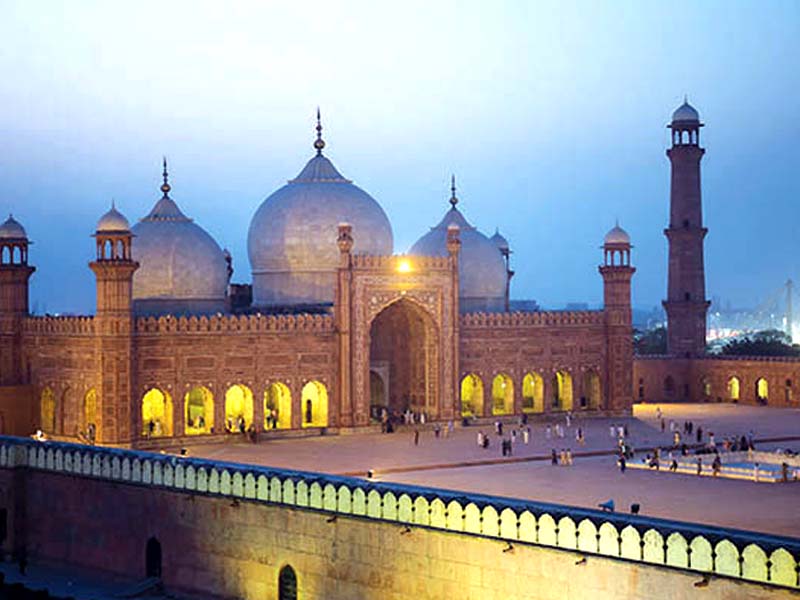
[[403, 337]]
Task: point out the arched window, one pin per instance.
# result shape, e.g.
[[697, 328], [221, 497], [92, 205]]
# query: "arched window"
[[287, 584], [152, 558], [238, 408], [471, 396], [592, 390], [277, 406], [502, 395], [733, 389], [314, 404], [199, 411], [532, 393], [562, 391], [48, 410], [90, 414], [762, 390], [156, 413]]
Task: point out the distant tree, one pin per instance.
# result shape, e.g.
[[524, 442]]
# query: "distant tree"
[[770, 342], [651, 341]]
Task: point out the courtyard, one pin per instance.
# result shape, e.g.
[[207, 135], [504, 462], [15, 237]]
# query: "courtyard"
[[456, 462]]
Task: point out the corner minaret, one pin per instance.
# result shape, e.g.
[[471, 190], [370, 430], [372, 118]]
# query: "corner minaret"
[[617, 273], [686, 303], [113, 269], [14, 275]]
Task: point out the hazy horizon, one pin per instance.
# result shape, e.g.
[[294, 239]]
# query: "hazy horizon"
[[551, 115]]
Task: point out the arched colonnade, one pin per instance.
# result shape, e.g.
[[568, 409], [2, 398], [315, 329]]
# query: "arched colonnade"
[[532, 392]]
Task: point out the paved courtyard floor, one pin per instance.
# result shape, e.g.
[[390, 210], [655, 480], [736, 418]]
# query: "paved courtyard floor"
[[772, 508]]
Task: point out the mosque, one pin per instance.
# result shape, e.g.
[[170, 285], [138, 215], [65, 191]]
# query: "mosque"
[[336, 331]]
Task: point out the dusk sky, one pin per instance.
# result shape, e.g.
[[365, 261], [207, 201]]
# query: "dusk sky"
[[551, 115]]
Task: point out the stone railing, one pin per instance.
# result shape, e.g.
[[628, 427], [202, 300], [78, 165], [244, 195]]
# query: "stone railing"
[[59, 325], [722, 552], [533, 319], [370, 261], [234, 323]]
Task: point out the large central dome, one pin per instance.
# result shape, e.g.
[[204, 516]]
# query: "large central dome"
[[292, 237], [181, 268]]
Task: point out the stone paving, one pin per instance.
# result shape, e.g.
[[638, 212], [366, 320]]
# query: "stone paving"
[[773, 508]]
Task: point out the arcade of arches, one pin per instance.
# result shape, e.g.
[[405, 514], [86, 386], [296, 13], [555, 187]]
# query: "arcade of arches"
[[533, 393], [403, 359], [239, 405], [746, 381]]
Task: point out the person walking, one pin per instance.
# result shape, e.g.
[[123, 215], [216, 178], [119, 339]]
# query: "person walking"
[[699, 465], [548, 432], [553, 457], [416, 437], [699, 434], [622, 463], [526, 435]]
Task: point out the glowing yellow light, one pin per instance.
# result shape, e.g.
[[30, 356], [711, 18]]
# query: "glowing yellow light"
[[404, 266]]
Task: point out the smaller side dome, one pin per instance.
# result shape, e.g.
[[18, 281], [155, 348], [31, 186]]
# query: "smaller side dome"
[[498, 240], [617, 235], [685, 112], [11, 229], [113, 221]]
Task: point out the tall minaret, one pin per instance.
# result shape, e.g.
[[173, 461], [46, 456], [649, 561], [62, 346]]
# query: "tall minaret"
[[14, 275], [686, 303], [617, 272], [115, 421]]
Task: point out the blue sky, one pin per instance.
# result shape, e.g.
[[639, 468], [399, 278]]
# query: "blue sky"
[[551, 115]]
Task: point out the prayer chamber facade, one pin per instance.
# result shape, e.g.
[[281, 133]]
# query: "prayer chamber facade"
[[335, 333]]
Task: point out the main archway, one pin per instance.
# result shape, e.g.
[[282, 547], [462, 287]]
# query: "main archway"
[[502, 395], [156, 413], [404, 337]]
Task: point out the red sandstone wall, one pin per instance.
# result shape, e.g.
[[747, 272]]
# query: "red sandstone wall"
[[539, 342], [17, 410], [707, 379]]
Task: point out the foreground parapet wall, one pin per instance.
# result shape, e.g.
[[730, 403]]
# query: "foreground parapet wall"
[[229, 529]]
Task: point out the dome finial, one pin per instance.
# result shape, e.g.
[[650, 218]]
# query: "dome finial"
[[165, 187], [319, 143], [453, 198]]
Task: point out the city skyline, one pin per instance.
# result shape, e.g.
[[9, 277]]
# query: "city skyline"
[[560, 126]]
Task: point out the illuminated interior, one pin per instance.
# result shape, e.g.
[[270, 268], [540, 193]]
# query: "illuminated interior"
[[48, 410], [471, 396], [502, 395], [90, 408], [238, 408], [533, 393], [156, 413], [592, 390], [315, 404], [733, 388], [762, 389], [562, 388], [277, 406], [199, 411]]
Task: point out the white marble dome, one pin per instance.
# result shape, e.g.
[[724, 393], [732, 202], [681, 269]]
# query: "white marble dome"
[[499, 241], [113, 221], [481, 269], [685, 112], [11, 229], [617, 235], [292, 236], [181, 268]]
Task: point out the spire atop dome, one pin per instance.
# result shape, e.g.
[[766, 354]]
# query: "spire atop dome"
[[319, 143], [165, 187], [453, 197]]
